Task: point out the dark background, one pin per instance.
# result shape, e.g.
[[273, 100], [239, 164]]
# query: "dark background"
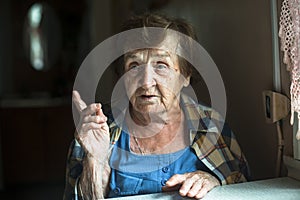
[[36, 124]]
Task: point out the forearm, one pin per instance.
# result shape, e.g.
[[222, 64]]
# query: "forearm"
[[94, 179]]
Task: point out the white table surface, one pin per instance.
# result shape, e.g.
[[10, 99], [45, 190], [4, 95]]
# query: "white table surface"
[[272, 189]]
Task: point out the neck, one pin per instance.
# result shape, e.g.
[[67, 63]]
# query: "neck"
[[150, 124], [169, 138], [145, 118]]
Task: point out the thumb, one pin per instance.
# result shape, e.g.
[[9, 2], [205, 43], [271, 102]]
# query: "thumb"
[[79, 103]]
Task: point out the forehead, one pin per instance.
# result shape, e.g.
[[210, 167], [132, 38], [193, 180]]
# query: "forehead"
[[168, 45], [149, 53]]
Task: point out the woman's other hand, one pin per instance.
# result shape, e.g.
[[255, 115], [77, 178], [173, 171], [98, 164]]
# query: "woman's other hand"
[[92, 131], [194, 184]]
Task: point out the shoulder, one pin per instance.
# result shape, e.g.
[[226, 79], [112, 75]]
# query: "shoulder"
[[198, 113], [207, 125], [197, 108]]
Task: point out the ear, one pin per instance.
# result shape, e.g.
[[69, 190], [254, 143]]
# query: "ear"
[[186, 81]]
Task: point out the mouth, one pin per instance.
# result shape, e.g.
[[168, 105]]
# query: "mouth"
[[148, 96], [145, 97]]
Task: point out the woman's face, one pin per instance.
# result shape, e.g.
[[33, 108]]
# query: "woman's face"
[[153, 80]]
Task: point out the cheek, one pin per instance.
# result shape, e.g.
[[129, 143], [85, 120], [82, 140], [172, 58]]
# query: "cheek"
[[129, 87], [170, 87], [167, 93]]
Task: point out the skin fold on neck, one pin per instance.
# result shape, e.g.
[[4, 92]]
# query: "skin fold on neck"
[[158, 137]]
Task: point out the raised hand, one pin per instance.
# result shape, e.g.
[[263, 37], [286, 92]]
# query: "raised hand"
[[92, 131]]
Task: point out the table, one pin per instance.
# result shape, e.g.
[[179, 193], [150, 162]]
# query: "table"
[[271, 189]]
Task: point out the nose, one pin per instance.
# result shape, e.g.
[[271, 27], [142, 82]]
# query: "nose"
[[147, 77]]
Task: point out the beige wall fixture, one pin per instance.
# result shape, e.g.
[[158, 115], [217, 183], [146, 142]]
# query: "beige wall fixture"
[[276, 106]]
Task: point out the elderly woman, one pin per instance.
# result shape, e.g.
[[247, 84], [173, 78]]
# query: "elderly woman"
[[156, 148]]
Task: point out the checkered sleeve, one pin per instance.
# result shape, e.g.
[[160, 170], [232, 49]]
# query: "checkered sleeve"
[[73, 171], [217, 147]]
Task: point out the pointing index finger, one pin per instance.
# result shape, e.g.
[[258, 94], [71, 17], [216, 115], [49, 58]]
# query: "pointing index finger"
[[79, 103]]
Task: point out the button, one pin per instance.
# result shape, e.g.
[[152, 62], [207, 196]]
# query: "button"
[[163, 182], [117, 190], [165, 169]]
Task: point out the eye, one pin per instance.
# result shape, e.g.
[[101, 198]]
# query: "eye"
[[133, 65], [161, 66]]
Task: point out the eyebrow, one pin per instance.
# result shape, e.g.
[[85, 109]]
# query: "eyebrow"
[[162, 55], [159, 55], [127, 56]]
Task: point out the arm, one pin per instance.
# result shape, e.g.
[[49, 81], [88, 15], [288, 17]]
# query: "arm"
[[216, 146], [92, 169], [94, 179], [82, 173], [73, 169], [220, 151]]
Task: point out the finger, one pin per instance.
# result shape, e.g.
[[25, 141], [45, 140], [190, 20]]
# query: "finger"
[[195, 188], [79, 103], [175, 180], [92, 109], [169, 189], [187, 185], [95, 119], [99, 110], [203, 191], [90, 126]]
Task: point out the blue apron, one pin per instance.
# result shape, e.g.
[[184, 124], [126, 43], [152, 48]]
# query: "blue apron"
[[133, 174]]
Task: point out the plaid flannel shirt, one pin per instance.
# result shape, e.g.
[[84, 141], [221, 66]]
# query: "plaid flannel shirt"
[[216, 148]]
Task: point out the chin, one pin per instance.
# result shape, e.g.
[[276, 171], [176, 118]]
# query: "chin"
[[150, 109]]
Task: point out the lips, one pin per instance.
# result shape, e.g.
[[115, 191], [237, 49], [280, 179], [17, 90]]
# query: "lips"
[[148, 98]]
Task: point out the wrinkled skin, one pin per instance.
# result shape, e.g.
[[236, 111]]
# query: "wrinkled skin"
[[153, 84], [194, 184], [93, 135]]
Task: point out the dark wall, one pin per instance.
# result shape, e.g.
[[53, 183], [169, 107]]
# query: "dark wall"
[[36, 123], [237, 35]]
